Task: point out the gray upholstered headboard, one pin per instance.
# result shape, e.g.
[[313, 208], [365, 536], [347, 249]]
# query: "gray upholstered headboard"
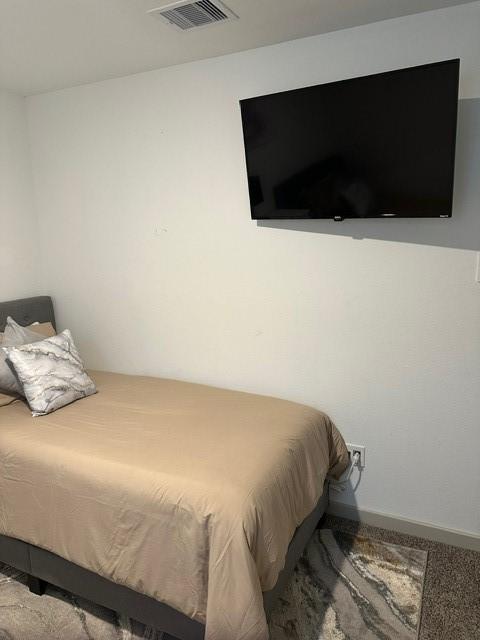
[[27, 311]]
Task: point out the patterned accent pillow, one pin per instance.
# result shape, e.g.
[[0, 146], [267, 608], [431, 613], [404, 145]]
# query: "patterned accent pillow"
[[14, 336], [51, 372]]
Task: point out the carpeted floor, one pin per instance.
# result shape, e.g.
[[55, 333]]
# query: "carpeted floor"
[[451, 595], [344, 587]]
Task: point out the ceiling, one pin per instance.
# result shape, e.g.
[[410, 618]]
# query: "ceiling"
[[53, 44]]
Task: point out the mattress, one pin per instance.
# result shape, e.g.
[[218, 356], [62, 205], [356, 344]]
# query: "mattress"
[[186, 493]]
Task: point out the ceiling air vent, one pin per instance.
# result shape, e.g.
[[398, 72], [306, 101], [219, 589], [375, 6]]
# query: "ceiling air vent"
[[187, 15]]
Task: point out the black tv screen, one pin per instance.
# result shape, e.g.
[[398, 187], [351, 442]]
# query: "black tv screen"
[[376, 146]]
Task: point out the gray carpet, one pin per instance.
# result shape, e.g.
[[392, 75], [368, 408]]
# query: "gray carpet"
[[345, 587]]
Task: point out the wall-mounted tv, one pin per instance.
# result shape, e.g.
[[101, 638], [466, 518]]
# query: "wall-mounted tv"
[[371, 147]]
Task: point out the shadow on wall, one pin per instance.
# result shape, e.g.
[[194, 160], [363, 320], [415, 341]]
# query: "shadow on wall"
[[462, 231]]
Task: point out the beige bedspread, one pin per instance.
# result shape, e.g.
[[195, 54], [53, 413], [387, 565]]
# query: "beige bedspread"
[[187, 493]]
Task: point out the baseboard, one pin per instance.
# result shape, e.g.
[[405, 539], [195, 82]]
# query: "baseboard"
[[404, 525]]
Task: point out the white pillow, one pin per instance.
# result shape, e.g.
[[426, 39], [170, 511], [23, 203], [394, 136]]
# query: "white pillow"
[[15, 335], [51, 372]]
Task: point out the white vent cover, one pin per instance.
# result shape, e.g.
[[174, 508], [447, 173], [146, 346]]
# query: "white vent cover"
[[187, 15]]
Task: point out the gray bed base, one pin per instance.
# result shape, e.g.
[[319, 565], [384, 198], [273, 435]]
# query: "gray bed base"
[[44, 567]]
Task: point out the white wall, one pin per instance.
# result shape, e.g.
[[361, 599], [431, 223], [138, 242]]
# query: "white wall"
[[18, 237], [154, 263]]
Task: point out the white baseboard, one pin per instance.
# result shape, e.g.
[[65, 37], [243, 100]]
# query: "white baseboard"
[[404, 525]]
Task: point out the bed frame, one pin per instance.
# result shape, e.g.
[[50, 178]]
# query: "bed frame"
[[43, 567]]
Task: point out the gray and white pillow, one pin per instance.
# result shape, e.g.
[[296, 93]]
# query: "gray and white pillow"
[[51, 372], [16, 335]]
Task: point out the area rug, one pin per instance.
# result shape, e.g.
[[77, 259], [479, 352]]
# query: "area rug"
[[352, 588], [343, 588]]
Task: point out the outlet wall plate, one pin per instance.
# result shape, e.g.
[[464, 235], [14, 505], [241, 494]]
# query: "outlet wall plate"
[[353, 448]]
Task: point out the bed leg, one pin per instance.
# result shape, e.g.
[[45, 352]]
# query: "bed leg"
[[36, 585]]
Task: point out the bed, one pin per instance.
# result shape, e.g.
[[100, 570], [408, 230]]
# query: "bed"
[[181, 505]]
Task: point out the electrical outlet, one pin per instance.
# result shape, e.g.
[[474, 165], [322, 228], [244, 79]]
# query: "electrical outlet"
[[353, 449]]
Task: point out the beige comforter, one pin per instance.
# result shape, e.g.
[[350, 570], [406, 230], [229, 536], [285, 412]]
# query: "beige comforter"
[[187, 493]]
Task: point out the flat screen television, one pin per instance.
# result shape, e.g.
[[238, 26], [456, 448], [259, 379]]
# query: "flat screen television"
[[376, 146]]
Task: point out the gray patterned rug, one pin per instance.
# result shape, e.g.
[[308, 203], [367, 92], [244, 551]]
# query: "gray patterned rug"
[[344, 588], [352, 588]]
